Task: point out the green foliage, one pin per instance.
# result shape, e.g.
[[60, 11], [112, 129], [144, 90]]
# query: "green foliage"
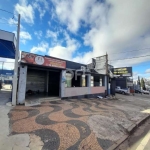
[[143, 84], [139, 82]]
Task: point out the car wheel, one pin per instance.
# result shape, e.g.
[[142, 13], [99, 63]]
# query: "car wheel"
[[123, 93]]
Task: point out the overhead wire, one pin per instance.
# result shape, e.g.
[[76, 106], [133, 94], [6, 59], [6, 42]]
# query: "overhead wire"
[[8, 23], [130, 58], [6, 11], [129, 51]]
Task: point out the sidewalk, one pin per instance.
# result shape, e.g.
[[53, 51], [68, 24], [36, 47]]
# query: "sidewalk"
[[86, 124], [7, 142]]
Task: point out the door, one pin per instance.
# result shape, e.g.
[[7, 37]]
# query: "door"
[[54, 83], [112, 86]]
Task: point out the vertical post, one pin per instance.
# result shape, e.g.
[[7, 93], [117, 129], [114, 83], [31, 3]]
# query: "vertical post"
[[2, 76], [62, 84], [89, 83], [22, 85], [47, 81], [106, 63], [106, 79], [15, 76]]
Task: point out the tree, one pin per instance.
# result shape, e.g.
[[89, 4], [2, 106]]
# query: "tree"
[[143, 84], [139, 83]]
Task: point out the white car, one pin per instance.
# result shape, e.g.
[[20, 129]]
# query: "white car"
[[122, 91], [145, 92]]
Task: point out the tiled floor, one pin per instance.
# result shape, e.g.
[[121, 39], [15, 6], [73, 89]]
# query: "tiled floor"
[[65, 124]]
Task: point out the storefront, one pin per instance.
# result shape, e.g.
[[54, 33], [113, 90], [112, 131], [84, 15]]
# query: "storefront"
[[123, 77], [53, 77]]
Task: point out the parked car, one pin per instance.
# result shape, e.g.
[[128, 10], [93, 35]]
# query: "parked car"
[[121, 91], [138, 91], [145, 92]]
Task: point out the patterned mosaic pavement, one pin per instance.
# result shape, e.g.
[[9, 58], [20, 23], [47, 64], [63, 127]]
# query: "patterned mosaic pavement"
[[69, 124]]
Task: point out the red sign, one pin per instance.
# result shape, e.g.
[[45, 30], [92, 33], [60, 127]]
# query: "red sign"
[[42, 60]]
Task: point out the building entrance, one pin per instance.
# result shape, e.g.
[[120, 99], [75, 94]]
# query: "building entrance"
[[54, 83]]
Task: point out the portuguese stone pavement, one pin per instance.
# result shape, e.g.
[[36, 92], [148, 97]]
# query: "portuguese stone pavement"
[[70, 124]]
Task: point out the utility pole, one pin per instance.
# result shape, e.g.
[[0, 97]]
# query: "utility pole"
[[15, 76], [106, 63]]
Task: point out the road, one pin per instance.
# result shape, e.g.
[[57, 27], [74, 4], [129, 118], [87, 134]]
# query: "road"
[[85, 124], [140, 139]]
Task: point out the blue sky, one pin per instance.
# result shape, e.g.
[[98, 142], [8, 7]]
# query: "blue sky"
[[79, 30]]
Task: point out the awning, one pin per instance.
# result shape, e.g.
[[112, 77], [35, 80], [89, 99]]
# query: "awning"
[[7, 44]]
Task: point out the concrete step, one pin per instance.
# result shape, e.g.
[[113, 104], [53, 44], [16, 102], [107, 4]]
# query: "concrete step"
[[38, 101]]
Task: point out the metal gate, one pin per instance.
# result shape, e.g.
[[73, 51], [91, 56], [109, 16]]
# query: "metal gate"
[[36, 80]]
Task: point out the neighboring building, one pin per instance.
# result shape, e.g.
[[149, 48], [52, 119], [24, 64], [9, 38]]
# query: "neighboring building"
[[53, 76], [6, 76], [123, 77]]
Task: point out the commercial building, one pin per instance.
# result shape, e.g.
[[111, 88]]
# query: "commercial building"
[[123, 77], [6, 76], [56, 77]]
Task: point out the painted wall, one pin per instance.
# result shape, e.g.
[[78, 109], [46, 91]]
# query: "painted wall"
[[75, 91], [22, 85], [95, 90]]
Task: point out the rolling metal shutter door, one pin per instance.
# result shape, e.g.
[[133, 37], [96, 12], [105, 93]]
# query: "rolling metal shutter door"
[[36, 80]]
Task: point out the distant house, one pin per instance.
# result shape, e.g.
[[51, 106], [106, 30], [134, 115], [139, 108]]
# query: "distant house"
[[6, 76]]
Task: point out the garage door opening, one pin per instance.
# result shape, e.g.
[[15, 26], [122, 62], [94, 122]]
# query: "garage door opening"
[[54, 83], [42, 85]]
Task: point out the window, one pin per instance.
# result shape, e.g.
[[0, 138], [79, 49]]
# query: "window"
[[68, 80], [92, 81], [83, 81], [100, 82]]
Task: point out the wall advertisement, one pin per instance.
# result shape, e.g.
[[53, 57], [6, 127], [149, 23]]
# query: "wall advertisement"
[[42, 60], [124, 72]]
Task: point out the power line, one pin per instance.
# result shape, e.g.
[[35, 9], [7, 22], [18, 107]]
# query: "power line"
[[130, 51], [130, 58], [6, 11], [8, 23]]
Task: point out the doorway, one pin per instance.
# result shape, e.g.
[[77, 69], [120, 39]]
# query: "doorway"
[[54, 83]]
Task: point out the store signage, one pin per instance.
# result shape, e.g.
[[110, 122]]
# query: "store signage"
[[124, 72], [129, 84], [42, 60]]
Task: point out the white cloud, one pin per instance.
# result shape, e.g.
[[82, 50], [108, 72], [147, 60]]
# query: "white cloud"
[[147, 71], [38, 34], [6, 63], [42, 6], [25, 10], [51, 34], [49, 23], [14, 22], [64, 52], [115, 27], [41, 47], [72, 12], [145, 75], [25, 36]]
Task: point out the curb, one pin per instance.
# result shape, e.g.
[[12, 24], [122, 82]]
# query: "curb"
[[130, 130]]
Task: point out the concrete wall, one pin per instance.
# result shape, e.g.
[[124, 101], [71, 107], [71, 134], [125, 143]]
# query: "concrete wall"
[[22, 85], [76, 91], [95, 90]]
